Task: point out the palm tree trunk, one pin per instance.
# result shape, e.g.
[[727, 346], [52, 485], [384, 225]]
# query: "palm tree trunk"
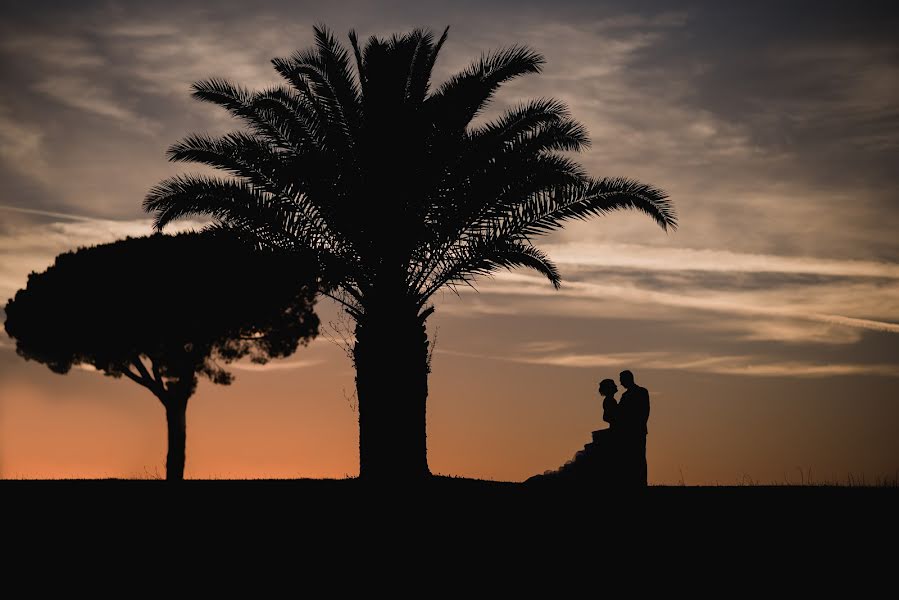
[[391, 358], [176, 419]]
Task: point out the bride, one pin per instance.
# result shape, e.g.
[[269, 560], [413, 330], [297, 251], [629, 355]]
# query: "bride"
[[608, 389]]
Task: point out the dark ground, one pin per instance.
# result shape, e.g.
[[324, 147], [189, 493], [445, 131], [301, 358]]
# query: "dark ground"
[[452, 531], [453, 496]]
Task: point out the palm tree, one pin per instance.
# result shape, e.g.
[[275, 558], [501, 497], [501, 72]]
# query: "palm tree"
[[398, 194]]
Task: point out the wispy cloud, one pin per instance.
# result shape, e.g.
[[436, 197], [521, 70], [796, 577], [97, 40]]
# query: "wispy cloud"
[[277, 365], [739, 365], [791, 303], [666, 258], [64, 52], [47, 213], [855, 83], [785, 331], [96, 97], [21, 146]]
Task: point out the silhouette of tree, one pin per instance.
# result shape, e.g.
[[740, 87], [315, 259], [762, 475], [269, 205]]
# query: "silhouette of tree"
[[398, 194], [162, 310]]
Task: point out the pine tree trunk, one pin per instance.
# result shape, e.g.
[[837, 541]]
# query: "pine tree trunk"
[[391, 358], [176, 419]]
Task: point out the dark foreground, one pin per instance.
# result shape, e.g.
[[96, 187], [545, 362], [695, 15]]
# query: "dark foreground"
[[467, 527], [450, 496]]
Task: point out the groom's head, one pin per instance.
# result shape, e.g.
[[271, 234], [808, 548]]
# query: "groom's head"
[[626, 378]]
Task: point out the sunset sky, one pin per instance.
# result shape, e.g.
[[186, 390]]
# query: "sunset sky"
[[766, 328]]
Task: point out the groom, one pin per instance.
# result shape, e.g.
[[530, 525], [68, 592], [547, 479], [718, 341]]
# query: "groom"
[[633, 414]]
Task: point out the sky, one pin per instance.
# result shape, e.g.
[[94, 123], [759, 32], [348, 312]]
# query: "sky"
[[766, 328]]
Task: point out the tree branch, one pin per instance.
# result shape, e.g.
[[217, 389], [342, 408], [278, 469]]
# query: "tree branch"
[[156, 374], [135, 377], [146, 379]]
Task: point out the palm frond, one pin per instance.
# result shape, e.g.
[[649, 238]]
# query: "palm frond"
[[483, 257], [292, 114], [324, 78], [223, 93], [360, 66], [495, 193], [432, 59], [239, 102], [232, 201], [565, 136], [547, 211], [334, 65], [461, 98], [242, 155], [416, 86], [520, 119], [508, 154]]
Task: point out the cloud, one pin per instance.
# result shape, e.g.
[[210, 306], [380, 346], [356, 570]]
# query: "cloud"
[[786, 331], [615, 24], [737, 365], [96, 97], [546, 346], [47, 213], [662, 258], [62, 52], [805, 299], [855, 83], [771, 303], [21, 146], [636, 114], [278, 365], [142, 30], [808, 301]]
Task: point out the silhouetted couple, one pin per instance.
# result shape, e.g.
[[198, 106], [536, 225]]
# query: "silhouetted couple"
[[627, 420]]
